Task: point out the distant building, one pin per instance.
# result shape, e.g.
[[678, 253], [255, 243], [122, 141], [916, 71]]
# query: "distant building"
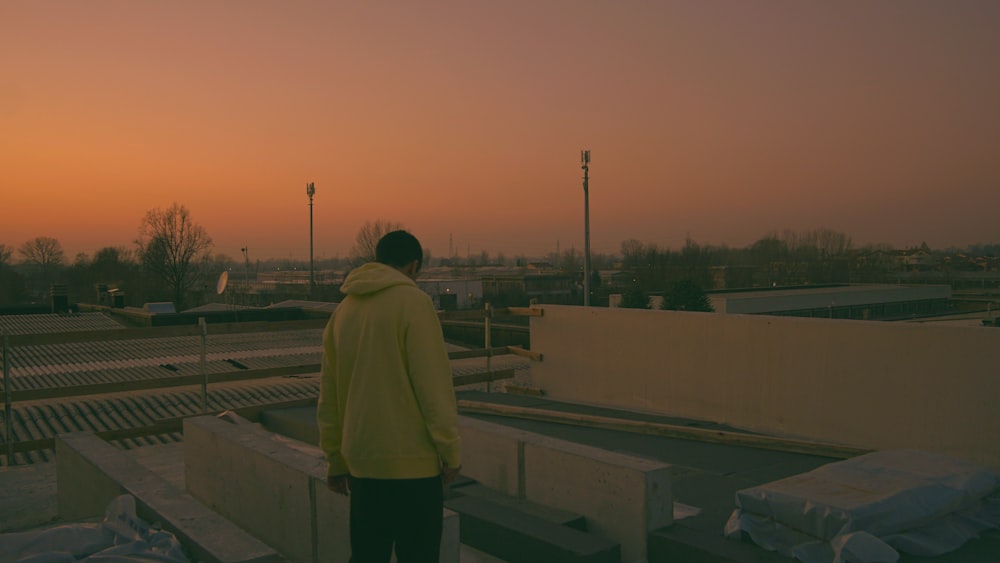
[[873, 302], [453, 293]]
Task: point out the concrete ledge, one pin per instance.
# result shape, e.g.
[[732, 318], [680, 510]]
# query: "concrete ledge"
[[546, 513], [516, 536], [243, 473], [493, 454], [276, 489], [91, 472], [622, 497]]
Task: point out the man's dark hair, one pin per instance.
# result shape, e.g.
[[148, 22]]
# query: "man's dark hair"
[[398, 249]]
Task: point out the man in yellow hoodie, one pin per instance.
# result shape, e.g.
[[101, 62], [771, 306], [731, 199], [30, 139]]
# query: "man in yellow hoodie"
[[387, 415]]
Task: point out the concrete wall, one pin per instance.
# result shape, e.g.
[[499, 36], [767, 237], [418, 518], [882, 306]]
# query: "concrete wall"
[[91, 472], [247, 476], [865, 384], [623, 497], [275, 488]]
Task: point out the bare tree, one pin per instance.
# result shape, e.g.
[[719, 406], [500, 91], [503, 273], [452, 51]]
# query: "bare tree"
[[368, 237], [170, 245], [5, 252], [45, 252]]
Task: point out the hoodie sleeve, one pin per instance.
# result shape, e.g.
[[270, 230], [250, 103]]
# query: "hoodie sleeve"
[[328, 415], [430, 376]]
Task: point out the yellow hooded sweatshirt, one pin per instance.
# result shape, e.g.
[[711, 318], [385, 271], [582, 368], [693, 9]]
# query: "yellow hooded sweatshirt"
[[387, 406]]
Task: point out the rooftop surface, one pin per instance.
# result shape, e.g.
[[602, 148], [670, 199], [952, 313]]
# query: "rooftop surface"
[[49, 323], [706, 477]]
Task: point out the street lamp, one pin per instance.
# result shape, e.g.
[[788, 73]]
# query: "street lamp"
[[311, 191], [585, 161]]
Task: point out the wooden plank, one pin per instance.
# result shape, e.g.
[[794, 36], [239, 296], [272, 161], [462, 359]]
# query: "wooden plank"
[[526, 311], [518, 351], [482, 377], [725, 437], [159, 383], [163, 332]]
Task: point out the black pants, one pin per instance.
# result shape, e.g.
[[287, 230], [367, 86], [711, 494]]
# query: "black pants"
[[406, 513]]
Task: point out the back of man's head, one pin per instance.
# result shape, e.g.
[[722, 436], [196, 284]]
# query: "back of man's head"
[[399, 248]]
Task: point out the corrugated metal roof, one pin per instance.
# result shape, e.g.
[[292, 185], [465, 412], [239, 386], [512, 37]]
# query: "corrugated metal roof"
[[36, 420], [50, 323], [38, 366], [45, 366]]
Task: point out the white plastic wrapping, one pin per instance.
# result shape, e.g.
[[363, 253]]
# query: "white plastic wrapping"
[[120, 537], [868, 507]]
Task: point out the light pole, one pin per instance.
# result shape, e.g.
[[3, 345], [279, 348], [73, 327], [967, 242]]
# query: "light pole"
[[311, 191], [585, 161]]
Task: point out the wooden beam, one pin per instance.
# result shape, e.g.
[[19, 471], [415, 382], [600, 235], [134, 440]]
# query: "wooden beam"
[[518, 351], [527, 311], [159, 383], [725, 437], [482, 377], [162, 332]]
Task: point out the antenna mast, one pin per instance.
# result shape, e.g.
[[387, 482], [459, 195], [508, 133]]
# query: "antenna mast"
[[311, 191], [585, 162]]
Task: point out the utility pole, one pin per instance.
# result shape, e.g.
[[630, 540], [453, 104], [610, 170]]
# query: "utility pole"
[[585, 161], [246, 274], [311, 191]]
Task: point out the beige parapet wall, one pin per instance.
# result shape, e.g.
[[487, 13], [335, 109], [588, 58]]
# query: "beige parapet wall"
[[622, 497], [276, 489], [874, 385]]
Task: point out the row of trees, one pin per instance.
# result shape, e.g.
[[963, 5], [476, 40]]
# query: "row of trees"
[[172, 256], [816, 257], [165, 262]]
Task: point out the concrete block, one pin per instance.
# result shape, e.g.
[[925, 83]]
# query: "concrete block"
[[84, 486], [276, 488], [248, 476], [623, 497], [91, 472], [493, 454], [451, 540], [333, 513]]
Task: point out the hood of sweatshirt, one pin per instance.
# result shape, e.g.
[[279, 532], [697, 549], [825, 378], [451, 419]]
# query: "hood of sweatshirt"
[[373, 277]]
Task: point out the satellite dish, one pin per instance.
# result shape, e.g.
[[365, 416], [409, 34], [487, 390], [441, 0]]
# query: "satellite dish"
[[220, 286]]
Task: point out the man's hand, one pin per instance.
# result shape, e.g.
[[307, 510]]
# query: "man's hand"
[[338, 484], [449, 474]]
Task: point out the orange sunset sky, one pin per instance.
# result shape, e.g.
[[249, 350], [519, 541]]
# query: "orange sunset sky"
[[718, 120]]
